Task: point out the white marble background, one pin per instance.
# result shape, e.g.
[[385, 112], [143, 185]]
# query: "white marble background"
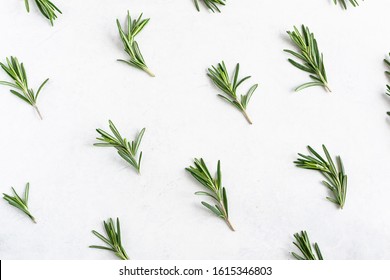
[[74, 186]]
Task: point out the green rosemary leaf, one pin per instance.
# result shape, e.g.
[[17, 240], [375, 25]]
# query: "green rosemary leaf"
[[47, 8], [387, 62], [128, 151], [201, 173], [18, 202], [336, 179], [312, 60], [220, 77], [134, 27], [113, 239], [303, 244], [343, 3], [211, 4], [17, 73]]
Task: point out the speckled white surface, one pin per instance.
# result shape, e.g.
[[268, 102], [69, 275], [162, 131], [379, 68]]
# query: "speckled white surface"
[[74, 186]]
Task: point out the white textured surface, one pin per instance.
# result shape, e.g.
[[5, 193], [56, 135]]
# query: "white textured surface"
[[74, 186]]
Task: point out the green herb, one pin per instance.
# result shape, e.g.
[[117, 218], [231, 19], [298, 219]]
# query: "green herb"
[[211, 4], [47, 8], [220, 76], [312, 61], [214, 187], [113, 239], [128, 151], [20, 203], [304, 245], [17, 73], [134, 27], [343, 3], [387, 61], [336, 179]]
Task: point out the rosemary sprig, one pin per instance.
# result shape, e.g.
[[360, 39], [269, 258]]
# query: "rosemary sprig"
[[127, 150], [387, 62], [20, 203], [17, 73], [304, 245], [343, 3], [336, 179], [312, 59], [214, 187], [113, 239], [220, 77], [134, 27], [211, 4], [47, 8]]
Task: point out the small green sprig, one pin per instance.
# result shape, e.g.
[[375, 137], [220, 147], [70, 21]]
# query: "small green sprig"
[[343, 3], [220, 77], [113, 239], [47, 8], [312, 59], [336, 179], [387, 62], [303, 243], [127, 150], [20, 203], [215, 189], [17, 73], [211, 4], [134, 27]]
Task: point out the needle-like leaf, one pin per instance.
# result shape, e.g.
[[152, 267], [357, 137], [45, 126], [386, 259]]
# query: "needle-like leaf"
[[220, 77], [19, 84], [134, 27], [343, 3], [47, 8], [127, 150], [19, 202], [113, 239], [214, 187], [312, 61], [387, 62], [335, 177], [303, 243], [211, 4]]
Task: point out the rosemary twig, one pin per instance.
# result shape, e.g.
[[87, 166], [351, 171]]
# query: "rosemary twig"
[[336, 179], [220, 77], [387, 61], [303, 243], [113, 239], [211, 4], [47, 8], [17, 73], [215, 189], [343, 3], [134, 27], [127, 150], [20, 203], [312, 59]]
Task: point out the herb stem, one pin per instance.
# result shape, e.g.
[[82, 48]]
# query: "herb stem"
[[38, 112], [246, 116], [151, 74]]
